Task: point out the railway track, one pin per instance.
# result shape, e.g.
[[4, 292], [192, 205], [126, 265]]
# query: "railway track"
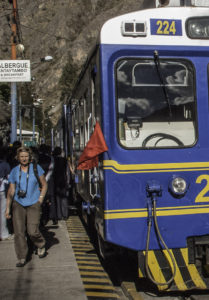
[[117, 278]]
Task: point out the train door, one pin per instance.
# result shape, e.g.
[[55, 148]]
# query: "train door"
[[90, 110], [93, 173]]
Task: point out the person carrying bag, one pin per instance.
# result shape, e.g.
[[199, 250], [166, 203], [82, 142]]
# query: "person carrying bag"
[[24, 199]]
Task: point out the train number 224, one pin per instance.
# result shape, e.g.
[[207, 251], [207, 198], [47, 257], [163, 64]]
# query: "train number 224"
[[166, 27]]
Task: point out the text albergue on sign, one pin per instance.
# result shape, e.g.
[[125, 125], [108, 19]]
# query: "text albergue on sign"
[[15, 71]]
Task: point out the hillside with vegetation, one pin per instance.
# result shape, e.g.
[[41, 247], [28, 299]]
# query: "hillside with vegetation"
[[65, 30]]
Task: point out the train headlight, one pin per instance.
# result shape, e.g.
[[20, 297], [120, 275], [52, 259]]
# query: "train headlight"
[[198, 28], [178, 186], [134, 28]]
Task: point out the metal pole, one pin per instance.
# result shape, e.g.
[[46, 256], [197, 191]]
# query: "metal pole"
[[20, 117], [14, 112], [34, 122], [52, 138], [13, 84]]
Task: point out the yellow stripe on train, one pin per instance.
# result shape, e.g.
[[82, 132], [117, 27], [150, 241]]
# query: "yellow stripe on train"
[[153, 168], [162, 211]]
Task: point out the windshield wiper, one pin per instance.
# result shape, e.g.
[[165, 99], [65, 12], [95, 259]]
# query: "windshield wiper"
[[157, 64]]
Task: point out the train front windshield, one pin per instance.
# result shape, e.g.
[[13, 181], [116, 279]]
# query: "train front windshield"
[[155, 103]]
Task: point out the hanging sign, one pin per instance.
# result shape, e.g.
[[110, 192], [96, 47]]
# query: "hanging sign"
[[15, 71]]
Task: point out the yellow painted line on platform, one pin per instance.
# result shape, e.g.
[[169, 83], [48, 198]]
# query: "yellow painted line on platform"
[[81, 247], [77, 226], [78, 237], [73, 226], [92, 257], [83, 260], [97, 273], [78, 230], [78, 234], [82, 251], [100, 294], [84, 245], [77, 246], [98, 286], [90, 267], [77, 241], [95, 280], [88, 262], [86, 253], [85, 250], [81, 242]]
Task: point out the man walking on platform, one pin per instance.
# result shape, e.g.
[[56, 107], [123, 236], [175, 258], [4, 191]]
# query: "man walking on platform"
[[26, 205]]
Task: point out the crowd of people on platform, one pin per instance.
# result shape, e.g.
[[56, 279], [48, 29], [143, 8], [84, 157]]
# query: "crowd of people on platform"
[[34, 188]]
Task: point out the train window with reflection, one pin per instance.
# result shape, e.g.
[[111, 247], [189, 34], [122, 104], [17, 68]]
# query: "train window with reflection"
[[155, 103]]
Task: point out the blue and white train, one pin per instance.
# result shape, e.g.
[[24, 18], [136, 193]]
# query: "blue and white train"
[[146, 82]]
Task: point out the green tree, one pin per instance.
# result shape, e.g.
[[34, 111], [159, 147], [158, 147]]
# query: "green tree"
[[5, 92]]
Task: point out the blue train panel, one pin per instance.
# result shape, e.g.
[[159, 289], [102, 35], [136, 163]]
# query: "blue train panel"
[[129, 165]]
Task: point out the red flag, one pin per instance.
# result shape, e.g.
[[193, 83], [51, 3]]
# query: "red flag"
[[95, 146]]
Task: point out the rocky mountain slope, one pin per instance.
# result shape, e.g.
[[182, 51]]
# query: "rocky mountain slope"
[[63, 29]]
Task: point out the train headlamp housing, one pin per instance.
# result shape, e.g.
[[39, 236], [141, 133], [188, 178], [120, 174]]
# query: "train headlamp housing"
[[134, 28], [178, 186], [198, 28]]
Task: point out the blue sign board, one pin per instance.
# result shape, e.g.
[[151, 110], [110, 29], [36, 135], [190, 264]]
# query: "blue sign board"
[[166, 27]]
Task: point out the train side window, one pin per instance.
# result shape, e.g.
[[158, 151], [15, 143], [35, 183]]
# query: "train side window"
[[152, 114]]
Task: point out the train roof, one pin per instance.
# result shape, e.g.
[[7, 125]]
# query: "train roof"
[[111, 32]]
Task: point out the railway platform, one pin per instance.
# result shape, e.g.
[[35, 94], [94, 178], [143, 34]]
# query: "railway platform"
[[55, 276]]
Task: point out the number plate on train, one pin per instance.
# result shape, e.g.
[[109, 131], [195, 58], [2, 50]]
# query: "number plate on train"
[[166, 27]]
